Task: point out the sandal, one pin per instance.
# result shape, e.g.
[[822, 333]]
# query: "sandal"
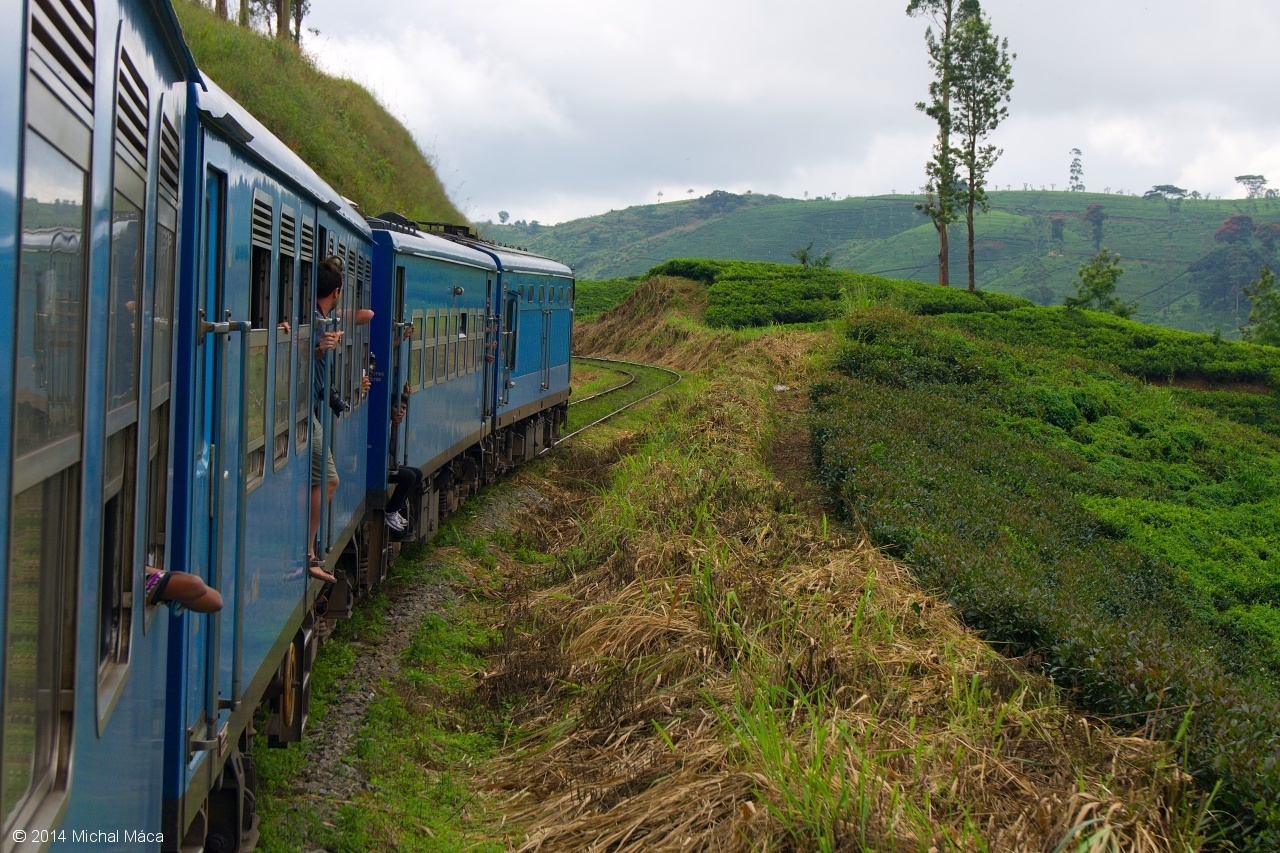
[[315, 568]]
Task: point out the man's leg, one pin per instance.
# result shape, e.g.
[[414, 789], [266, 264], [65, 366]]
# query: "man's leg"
[[314, 567]]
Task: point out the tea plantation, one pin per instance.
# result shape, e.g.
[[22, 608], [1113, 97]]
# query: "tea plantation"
[[1122, 532], [1096, 494]]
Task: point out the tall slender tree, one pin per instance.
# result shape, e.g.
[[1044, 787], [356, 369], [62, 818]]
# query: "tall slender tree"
[[941, 201], [983, 69], [283, 15], [220, 7]]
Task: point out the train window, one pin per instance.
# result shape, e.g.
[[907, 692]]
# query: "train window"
[[305, 310], [39, 598], [284, 333], [255, 404], [39, 673], [453, 344], [157, 476], [50, 327], [509, 333], [442, 344], [464, 346], [429, 350], [562, 293], [260, 261], [415, 352], [115, 604], [542, 293], [521, 292]]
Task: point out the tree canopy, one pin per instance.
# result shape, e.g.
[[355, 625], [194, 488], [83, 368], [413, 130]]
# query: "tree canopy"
[[1096, 288]]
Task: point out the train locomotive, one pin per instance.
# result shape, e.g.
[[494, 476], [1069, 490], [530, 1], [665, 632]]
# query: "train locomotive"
[[160, 409]]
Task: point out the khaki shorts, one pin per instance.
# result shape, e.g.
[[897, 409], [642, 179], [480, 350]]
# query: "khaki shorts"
[[330, 470]]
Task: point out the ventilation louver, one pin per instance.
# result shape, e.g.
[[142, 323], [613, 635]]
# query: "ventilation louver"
[[62, 31]]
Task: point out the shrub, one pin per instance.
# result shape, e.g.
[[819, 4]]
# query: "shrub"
[[1076, 515]]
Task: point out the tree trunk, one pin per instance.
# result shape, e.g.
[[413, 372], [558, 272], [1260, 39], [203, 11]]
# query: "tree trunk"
[[944, 255], [282, 21], [297, 22], [220, 7], [969, 218], [244, 13]]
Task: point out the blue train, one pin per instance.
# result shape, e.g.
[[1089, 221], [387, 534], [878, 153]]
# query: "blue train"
[[164, 389]]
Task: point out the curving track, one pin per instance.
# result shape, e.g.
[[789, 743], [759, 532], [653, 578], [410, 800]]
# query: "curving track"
[[644, 381]]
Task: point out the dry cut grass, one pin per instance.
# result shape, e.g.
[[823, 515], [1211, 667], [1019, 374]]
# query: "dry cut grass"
[[709, 666]]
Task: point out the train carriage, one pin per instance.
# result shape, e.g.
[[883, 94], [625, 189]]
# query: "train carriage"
[[91, 108], [161, 249], [262, 222]]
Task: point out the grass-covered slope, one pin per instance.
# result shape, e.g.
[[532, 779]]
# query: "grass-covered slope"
[[336, 126], [1097, 494], [1017, 250]]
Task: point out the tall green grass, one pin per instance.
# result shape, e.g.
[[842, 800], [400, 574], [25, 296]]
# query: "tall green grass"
[[336, 126]]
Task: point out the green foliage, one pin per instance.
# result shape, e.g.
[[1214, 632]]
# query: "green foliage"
[[336, 126], [1264, 313], [592, 298], [808, 258], [1097, 287], [1130, 541]]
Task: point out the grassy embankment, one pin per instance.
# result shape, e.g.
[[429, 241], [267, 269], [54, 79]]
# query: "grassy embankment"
[[671, 648], [1095, 493], [336, 126]]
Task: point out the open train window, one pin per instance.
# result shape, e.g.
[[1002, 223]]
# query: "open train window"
[[117, 566], [261, 245], [305, 310], [509, 334], [464, 345], [442, 345], [162, 300], [286, 257]]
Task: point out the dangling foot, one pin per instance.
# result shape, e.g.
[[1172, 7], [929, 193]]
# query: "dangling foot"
[[315, 568]]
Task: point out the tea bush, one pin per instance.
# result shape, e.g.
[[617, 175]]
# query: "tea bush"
[[1076, 514]]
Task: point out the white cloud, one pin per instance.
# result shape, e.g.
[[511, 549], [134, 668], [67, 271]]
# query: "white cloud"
[[565, 108]]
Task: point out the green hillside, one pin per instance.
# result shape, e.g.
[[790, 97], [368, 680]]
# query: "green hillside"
[[1174, 269], [336, 126]]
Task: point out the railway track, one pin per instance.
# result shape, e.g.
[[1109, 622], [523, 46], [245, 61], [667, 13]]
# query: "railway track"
[[642, 382]]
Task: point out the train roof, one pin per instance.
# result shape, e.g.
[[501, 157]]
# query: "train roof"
[[516, 260], [427, 245], [171, 30], [223, 112]]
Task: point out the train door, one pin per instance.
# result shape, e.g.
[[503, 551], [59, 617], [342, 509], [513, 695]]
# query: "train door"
[[489, 346], [546, 341], [217, 493], [510, 318], [402, 372]]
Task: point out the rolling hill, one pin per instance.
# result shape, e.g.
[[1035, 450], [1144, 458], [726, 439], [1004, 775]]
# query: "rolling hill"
[[1176, 272]]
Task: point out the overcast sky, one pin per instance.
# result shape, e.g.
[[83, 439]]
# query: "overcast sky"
[[556, 109]]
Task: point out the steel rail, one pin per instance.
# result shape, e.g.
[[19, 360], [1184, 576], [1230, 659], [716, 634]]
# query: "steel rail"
[[626, 384], [618, 411]]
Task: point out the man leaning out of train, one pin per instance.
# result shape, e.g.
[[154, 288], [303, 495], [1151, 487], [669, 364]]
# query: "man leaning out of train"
[[328, 294]]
